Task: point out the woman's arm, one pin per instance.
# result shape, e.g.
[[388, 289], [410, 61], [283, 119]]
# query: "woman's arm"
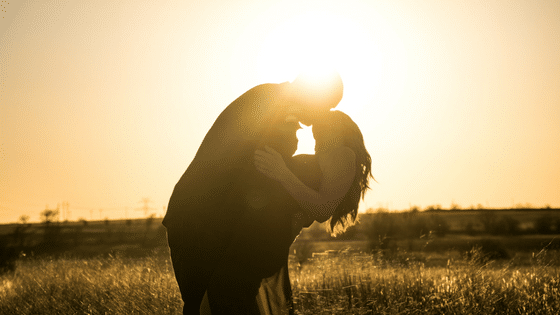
[[338, 173]]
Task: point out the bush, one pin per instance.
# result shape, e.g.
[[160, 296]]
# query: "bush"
[[8, 257]]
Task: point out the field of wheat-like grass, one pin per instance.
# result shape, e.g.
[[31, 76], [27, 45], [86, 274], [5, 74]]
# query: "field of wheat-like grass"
[[351, 283], [363, 284], [108, 285]]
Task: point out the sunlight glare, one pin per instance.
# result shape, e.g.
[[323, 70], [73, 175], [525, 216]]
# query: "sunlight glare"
[[320, 42], [364, 57], [306, 142], [365, 50], [309, 42]]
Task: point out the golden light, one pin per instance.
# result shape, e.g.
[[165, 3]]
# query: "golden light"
[[308, 41], [363, 48], [316, 78], [317, 41]]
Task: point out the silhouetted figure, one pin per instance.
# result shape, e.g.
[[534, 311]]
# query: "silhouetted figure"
[[218, 188], [260, 246], [328, 185]]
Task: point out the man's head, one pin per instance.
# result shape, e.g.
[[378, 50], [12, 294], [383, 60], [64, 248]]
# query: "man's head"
[[314, 94]]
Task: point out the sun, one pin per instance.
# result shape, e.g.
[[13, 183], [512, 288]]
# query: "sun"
[[362, 46], [319, 41]]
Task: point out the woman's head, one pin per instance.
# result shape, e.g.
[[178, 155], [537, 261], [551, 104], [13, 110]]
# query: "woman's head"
[[338, 129]]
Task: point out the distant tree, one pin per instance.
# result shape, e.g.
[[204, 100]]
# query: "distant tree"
[[23, 219], [49, 215], [370, 211], [51, 234], [454, 206], [410, 214], [433, 207]]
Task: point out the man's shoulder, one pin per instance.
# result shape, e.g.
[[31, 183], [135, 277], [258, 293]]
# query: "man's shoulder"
[[270, 87], [261, 89], [265, 93]]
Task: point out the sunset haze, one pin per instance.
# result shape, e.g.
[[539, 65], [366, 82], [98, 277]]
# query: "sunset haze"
[[104, 104]]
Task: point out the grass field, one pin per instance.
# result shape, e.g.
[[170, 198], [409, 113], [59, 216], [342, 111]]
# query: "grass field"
[[329, 283], [123, 267]]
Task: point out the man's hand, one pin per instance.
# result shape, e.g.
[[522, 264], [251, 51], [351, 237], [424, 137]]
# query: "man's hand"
[[271, 164]]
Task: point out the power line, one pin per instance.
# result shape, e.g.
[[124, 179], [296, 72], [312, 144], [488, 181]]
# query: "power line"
[[146, 207]]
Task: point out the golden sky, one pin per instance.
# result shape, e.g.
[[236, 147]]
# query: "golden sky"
[[104, 103]]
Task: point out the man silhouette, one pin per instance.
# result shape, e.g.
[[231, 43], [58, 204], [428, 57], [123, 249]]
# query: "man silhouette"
[[205, 203]]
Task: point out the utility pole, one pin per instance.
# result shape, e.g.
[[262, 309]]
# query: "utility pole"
[[65, 211], [146, 207]]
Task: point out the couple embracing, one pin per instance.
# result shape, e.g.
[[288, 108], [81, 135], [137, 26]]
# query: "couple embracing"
[[245, 197]]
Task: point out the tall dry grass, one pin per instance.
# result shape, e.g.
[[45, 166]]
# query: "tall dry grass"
[[108, 285], [369, 284], [327, 284]]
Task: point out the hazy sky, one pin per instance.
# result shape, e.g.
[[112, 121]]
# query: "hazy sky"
[[104, 103]]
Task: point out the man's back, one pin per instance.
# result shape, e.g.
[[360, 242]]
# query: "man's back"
[[224, 150]]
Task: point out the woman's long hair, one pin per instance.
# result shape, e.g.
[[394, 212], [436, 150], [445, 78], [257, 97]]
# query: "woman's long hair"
[[347, 211]]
